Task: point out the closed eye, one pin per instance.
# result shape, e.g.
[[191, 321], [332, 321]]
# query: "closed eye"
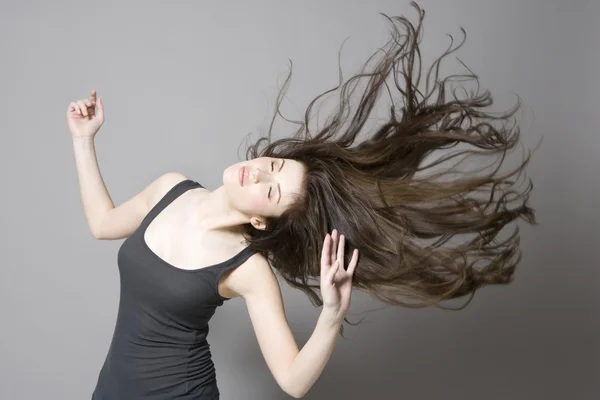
[[270, 187], [272, 169]]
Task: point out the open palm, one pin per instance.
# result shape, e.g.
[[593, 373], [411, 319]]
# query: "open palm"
[[336, 282]]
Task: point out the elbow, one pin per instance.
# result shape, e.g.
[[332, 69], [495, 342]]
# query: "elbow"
[[96, 235], [294, 392], [295, 395], [95, 231]]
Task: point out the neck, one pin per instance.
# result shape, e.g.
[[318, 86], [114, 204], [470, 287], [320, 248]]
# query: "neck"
[[214, 212]]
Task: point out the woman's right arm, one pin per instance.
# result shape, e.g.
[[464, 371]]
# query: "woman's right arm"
[[94, 195], [105, 221]]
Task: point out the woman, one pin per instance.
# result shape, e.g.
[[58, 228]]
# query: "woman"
[[187, 249]]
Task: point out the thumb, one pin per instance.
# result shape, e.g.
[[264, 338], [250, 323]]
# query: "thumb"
[[100, 106]]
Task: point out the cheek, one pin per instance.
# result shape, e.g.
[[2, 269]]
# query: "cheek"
[[256, 199]]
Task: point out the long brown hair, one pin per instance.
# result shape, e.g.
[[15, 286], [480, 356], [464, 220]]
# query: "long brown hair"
[[400, 212]]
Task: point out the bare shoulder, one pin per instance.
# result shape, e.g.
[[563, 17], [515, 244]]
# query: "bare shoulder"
[[254, 276], [121, 221], [162, 185]]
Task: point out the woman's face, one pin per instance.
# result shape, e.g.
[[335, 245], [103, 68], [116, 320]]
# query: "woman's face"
[[263, 186]]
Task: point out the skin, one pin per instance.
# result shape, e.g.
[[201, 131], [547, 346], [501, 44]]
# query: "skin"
[[268, 187]]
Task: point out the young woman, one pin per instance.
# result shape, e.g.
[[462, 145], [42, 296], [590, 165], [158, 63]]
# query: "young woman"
[[303, 206]]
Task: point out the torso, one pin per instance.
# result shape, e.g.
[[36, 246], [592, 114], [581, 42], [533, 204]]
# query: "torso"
[[179, 241]]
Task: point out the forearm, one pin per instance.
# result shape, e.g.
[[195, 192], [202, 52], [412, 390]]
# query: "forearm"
[[311, 360], [94, 195]]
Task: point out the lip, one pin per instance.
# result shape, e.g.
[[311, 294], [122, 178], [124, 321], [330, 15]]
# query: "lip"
[[241, 174]]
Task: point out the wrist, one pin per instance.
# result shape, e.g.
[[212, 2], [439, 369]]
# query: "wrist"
[[332, 316], [82, 139], [83, 144]]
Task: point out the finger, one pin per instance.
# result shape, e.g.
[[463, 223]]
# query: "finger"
[[325, 254], [353, 263], [331, 273], [73, 111], [91, 108], [82, 107], [334, 237], [92, 100], [340, 249], [100, 112], [77, 109]]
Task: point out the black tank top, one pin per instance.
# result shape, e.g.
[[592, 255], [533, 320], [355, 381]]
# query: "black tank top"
[[159, 348]]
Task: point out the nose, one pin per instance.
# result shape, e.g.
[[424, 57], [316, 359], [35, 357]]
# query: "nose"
[[256, 175]]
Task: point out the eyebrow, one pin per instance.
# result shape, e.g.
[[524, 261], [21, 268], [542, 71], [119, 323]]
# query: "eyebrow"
[[278, 186]]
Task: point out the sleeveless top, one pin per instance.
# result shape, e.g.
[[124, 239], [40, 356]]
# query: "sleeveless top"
[[159, 348]]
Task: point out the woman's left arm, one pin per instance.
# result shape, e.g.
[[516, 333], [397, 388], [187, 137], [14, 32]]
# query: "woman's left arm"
[[296, 370], [311, 360]]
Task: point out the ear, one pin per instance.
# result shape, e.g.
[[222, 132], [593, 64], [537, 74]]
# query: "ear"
[[258, 223]]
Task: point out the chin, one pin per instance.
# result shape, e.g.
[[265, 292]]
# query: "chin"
[[230, 176], [224, 176]]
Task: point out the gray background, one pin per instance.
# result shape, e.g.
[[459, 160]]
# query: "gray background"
[[184, 82]]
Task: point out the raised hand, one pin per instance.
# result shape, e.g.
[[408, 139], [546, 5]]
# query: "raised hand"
[[82, 117], [336, 282]]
